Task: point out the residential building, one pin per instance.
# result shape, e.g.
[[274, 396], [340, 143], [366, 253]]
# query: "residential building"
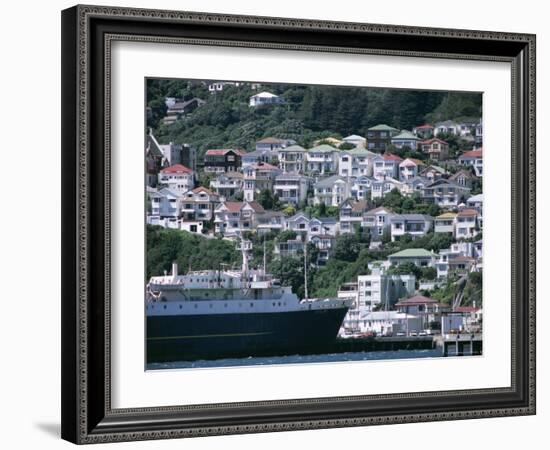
[[234, 218], [199, 204], [178, 108], [419, 256], [428, 309], [466, 128], [414, 225], [425, 131], [414, 185], [222, 160], [361, 188], [325, 245], [273, 144], [292, 159], [257, 156], [379, 188], [322, 159], [444, 265], [354, 139], [332, 191], [445, 193], [436, 149], [292, 188], [220, 86], [386, 166], [433, 173], [462, 178], [380, 288], [265, 98], [298, 223], [174, 153], [154, 159], [356, 162], [476, 202], [164, 203], [289, 249], [227, 184], [177, 178], [388, 323], [474, 159], [378, 221], [405, 139], [379, 137], [323, 226], [445, 223], [466, 224], [351, 215], [446, 127], [410, 168], [258, 177], [271, 221], [478, 138], [461, 265]]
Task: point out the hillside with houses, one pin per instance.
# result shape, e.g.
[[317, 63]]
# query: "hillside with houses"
[[389, 213]]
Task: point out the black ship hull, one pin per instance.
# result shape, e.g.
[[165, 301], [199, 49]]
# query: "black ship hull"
[[216, 336]]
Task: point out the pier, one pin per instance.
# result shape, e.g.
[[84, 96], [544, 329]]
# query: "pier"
[[390, 343], [463, 344]]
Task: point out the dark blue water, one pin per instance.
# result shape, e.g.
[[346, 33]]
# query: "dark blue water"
[[298, 359]]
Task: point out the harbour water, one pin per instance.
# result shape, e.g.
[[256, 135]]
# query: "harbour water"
[[298, 359]]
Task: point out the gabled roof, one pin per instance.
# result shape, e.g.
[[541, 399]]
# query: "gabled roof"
[[466, 309], [478, 153], [203, 189], [271, 140], [223, 151], [379, 210], [438, 169], [432, 140], [391, 157], [176, 168], [414, 161], [405, 135], [353, 137], [447, 183], [234, 207], [329, 181], [461, 172], [323, 148], [264, 166], [447, 215], [475, 198], [265, 95], [467, 213], [425, 126], [382, 127], [293, 148], [298, 216], [412, 253], [413, 217]]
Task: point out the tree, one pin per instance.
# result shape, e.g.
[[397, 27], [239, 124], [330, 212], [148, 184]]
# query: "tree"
[[347, 247], [268, 200], [429, 273], [289, 210], [407, 268]]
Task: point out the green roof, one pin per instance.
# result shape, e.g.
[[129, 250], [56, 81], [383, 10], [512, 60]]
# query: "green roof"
[[359, 151], [413, 253], [405, 135], [323, 148], [293, 148], [382, 127]]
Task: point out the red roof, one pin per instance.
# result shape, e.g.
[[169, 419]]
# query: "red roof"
[[478, 153], [426, 125], [176, 168], [223, 151], [264, 166], [270, 140], [432, 140], [466, 309], [203, 189], [415, 161], [237, 206], [391, 157], [467, 213]]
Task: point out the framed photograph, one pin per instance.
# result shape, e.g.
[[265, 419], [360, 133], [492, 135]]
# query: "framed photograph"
[[279, 224]]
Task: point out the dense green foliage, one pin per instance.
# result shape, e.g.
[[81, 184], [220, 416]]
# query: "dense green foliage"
[[402, 204], [309, 112], [191, 251]]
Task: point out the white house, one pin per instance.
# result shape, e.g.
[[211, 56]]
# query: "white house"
[[298, 223], [381, 288], [446, 127], [265, 98], [389, 323], [419, 256], [410, 168], [177, 178], [473, 158], [323, 226], [199, 204], [377, 220], [445, 194], [322, 159], [356, 162], [292, 159], [164, 203], [332, 191], [466, 224], [414, 225], [291, 187], [351, 215], [379, 188], [233, 218], [445, 223], [258, 177], [361, 188], [476, 202], [386, 166], [227, 184], [354, 139]]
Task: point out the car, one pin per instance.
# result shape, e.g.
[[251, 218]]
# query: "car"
[[413, 334], [400, 334], [422, 333]]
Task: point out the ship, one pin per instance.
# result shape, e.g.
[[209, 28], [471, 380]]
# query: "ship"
[[228, 313]]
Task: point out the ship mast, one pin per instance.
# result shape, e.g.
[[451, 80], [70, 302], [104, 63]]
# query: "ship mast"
[[264, 259], [305, 269]]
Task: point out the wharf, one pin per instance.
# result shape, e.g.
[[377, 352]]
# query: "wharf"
[[463, 344], [379, 343]]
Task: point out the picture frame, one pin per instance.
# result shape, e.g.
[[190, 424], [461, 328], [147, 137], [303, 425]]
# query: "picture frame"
[[87, 413]]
